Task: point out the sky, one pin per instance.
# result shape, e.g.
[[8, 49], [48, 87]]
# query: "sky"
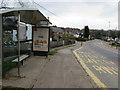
[[79, 13], [96, 15]]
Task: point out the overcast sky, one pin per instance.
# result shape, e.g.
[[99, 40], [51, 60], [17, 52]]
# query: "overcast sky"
[[78, 13]]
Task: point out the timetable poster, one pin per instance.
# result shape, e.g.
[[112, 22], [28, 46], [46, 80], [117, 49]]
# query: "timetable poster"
[[40, 39], [22, 32]]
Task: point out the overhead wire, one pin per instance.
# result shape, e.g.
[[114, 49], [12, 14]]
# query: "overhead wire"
[[23, 5], [51, 12], [3, 3]]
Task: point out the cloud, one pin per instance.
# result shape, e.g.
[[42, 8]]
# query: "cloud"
[[96, 15], [76, 0], [76, 13]]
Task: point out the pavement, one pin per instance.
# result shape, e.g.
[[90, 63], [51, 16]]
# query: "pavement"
[[61, 70]]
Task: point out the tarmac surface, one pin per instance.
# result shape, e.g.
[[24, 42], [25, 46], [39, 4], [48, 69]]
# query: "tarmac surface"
[[102, 60]]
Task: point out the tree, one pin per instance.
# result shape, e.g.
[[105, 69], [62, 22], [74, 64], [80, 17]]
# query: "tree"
[[86, 32]]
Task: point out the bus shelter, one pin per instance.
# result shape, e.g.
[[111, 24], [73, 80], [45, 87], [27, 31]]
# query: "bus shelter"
[[16, 34]]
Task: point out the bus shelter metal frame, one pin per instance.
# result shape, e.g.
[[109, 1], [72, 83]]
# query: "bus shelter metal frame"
[[36, 17]]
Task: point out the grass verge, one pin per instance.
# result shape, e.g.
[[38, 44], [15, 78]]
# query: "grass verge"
[[53, 52], [7, 65]]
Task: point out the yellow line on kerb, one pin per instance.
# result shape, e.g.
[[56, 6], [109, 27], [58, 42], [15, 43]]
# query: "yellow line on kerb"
[[90, 73]]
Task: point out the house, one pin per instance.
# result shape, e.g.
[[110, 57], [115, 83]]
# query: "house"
[[56, 33]]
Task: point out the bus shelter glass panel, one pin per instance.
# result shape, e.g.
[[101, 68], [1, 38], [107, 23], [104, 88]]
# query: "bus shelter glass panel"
[[9, 37], [10, 41]]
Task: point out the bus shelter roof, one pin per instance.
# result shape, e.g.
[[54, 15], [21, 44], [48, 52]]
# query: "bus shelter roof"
[[27, 15]]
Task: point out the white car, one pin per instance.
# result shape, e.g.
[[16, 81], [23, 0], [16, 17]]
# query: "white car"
[[110, 39], [118, 42]]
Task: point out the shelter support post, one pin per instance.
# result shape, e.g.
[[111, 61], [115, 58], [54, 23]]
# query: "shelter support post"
[[18, 44], [1, 50]]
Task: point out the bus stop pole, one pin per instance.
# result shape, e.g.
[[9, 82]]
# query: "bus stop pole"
[[18, 44]]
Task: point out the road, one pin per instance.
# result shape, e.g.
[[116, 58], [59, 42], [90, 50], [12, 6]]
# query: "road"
[[102, 61]]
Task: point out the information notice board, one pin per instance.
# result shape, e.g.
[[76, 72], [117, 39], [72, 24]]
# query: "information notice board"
[[41, 39], [22, 32]]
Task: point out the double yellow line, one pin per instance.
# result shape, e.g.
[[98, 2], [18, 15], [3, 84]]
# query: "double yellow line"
[[90, 73]]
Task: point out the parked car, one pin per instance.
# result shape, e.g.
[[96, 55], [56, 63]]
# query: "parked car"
[[118, 42], [110, 39]]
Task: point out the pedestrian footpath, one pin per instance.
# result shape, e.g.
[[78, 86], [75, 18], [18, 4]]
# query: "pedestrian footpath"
[[61, 70]]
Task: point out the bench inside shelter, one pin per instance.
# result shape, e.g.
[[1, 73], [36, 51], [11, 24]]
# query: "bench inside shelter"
[[23, 57]]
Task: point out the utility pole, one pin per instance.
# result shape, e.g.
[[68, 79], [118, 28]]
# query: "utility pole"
[[109, 24], [109, 29]]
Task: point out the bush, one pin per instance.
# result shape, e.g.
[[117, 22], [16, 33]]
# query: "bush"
[[91, 39], [81, 39], [72, 38], [118, 45]]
